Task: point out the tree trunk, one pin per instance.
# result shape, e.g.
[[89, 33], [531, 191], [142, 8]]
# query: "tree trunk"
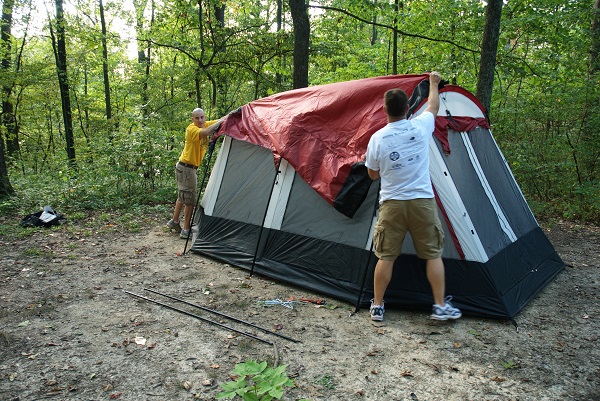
[[595, 48], [60, 54], [489, 48], [278, 78], [395, 39], [144, 52], [301, 23], [8, 118], [105, 63]]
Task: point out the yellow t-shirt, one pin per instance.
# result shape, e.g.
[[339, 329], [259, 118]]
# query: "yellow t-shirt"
[[195, 146]]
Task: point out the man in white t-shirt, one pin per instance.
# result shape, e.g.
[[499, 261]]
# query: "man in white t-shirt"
[[399, 155]]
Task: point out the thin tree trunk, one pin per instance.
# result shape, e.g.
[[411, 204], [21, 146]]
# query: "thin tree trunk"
[[278, 78], [144, 54], [301, 23], [395, 39], [595, 39], [105, 63], [8, 119], [489, 49], [60, 54]]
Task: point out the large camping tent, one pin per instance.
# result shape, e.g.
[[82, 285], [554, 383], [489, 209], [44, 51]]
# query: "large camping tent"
[[287, 198]]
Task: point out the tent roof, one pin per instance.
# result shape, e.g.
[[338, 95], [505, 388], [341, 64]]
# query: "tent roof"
[[321, 130]]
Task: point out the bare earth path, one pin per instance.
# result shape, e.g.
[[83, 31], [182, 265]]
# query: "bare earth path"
[[68, 331]]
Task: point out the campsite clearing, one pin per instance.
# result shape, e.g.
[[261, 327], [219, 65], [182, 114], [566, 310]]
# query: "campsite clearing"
[[68, 331]]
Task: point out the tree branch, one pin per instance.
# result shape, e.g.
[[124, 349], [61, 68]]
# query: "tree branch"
[[412, 35]]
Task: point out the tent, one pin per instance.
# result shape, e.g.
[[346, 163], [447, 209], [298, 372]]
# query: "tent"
[[288, 198]]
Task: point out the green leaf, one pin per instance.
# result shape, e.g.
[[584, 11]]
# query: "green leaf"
[[250, 397]]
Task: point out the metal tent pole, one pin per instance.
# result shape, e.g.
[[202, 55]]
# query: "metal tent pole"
[[362, 285], [199, 317], [262, 226], [223, 315]]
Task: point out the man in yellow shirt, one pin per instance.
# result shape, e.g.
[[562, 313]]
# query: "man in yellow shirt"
[[196, 143]]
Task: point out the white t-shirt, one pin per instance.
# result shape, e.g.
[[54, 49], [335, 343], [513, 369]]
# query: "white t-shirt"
[[400, 152]]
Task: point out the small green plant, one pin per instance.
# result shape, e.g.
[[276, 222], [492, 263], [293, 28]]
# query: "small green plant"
[[510, 364], [325, 381], [256, 382]]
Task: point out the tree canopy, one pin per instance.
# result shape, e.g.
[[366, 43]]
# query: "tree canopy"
[[134, 70]]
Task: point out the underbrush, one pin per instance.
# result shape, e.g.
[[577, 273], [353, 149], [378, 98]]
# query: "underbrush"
[[97, 204], [101, 200]]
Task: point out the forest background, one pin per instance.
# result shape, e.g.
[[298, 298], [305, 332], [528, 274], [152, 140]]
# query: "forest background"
[[96, 94]]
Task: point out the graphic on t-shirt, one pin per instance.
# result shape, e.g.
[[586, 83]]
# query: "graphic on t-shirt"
[[394, 156]]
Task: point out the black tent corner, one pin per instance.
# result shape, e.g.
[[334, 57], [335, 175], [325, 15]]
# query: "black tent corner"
[[354, 191]]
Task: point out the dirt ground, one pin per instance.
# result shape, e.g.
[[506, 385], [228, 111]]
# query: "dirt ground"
[[69, 331]]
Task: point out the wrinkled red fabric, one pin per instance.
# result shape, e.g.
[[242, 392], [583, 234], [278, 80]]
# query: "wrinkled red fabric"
[[321, 130]]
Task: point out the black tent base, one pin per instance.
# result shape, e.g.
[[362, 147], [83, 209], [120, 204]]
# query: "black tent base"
[[498, 288]]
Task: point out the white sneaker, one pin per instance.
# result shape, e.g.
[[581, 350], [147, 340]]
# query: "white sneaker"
[[173, 225], [376, 312], [445, 312]]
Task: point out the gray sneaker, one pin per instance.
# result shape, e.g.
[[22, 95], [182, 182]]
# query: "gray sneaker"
[[184, 234], [376, 312], [173, 226], [446, 312]]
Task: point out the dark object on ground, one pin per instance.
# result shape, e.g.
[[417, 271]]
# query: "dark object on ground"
[[44, 218]]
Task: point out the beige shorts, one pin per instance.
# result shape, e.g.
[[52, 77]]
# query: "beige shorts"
[[417, 216], [187, 181]]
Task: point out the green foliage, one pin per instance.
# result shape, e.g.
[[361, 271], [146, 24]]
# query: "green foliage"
[[325, 381], [256, 381], [543, 108], [510, 365]]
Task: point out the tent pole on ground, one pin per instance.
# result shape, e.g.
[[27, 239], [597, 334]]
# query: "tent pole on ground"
[[223, 315], [199, 317]]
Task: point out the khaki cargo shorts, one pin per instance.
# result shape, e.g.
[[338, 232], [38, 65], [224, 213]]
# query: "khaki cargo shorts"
[[417, 216], [187, 181]]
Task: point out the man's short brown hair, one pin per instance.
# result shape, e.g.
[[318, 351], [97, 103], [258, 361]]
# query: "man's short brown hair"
[[396, 102]]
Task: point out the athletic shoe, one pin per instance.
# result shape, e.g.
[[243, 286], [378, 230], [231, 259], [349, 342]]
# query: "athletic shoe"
[[173, 226], [445, 312], [184, 234], [376, 312]]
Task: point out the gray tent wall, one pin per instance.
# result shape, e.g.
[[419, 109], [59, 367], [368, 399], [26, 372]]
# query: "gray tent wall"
[[304, 240], [270, 221]]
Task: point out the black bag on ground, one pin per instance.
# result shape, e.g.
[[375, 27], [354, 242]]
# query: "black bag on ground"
[[44, 218]]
